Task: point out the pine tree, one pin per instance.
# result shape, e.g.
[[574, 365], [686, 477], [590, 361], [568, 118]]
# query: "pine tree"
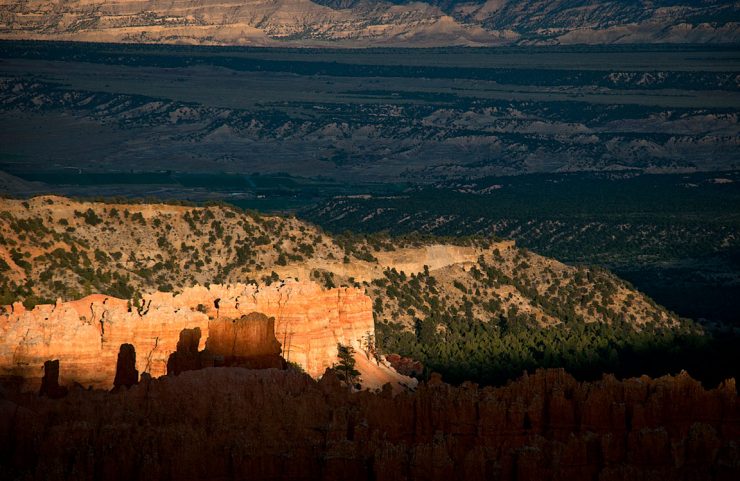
[[346, 368]]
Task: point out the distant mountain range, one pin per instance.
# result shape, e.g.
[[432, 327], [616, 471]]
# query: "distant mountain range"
[[361, 23]]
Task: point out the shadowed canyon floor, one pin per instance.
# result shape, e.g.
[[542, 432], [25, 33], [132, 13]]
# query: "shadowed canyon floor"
[[233, 423], [358, 117]]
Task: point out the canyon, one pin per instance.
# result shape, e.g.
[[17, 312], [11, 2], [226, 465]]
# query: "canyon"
[[145, 368], [233, 423], [85, 335], [355, 117], [289, 240]]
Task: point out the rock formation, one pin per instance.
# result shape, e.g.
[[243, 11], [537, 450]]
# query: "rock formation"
[[261, 248], [252, 335], [50, 382], [405, 365], [187, 357], [126, 373], [248, 341], [85, 335], [228, 423], [252, 22]]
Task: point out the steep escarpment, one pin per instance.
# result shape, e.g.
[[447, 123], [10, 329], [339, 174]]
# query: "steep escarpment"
[[230, 423], [362, 23], [86, 335], [255, 22]]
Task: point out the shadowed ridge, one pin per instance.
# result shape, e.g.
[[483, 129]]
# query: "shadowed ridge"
[[213, 423]]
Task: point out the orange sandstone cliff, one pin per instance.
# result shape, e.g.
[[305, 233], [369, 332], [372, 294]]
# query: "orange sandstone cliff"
[[86, 335]]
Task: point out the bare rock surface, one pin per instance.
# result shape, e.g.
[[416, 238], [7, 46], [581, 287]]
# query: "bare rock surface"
[[86, 335], [248, 341], [365, 23]]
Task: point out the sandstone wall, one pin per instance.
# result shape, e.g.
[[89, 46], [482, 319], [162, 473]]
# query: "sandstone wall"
[[85, 335], [252, 335]]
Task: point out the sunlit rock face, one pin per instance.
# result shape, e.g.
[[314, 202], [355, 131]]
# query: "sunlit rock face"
[[239, 22], [230, 423], [373, 22], [86, 335]]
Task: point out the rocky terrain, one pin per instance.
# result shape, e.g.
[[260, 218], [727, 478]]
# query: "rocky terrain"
[[55, 247], [372, 22], [306, 321], [201, 319], [471, 308], [232, 423], [617, 220], [355, 120], [169, 339], [376, 115]]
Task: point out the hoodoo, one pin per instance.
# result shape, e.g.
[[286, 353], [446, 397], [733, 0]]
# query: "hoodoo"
[[303, 320]]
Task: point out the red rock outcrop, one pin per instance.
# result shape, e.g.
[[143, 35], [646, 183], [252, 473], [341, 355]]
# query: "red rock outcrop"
[[85, 335], [405, 365], [228, 423], [245, 342], [248, 336], [248, 342]]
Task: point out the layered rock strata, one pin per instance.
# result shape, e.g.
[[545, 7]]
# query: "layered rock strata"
[[247, 342], [86, 335], [250, 22], [228, 423], [362, 23]]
